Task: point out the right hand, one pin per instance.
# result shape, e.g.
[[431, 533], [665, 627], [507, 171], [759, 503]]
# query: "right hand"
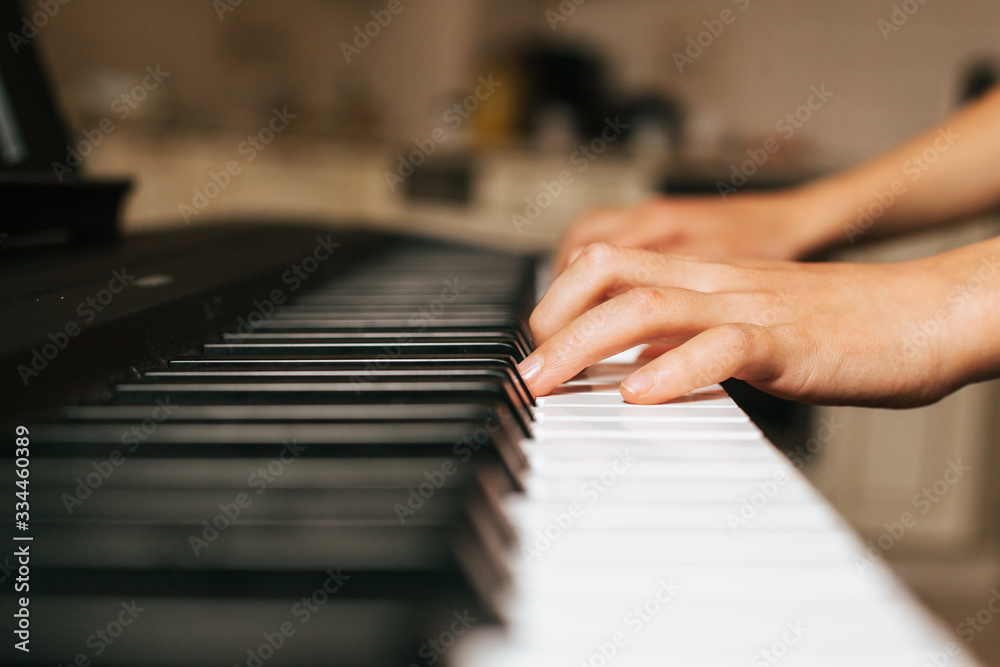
[[769, 226], [889, 335]]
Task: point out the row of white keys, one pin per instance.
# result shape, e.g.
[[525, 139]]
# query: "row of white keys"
[[676, 534]]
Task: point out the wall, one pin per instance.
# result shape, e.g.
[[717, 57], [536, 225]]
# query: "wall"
[[763, 64], [228, 69]]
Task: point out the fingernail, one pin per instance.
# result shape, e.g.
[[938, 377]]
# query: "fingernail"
[[638, 384], [530, 367]]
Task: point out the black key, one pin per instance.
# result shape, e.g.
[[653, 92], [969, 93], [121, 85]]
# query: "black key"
[[365, 367], [227, 625], [134, 415], [487, 442], [458, 350], [324, 334], [353, 374], [359, 363]]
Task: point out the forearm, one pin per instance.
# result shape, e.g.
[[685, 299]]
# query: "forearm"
[[948, 172]]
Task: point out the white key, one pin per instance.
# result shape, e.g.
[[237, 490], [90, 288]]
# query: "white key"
[[624, 502]]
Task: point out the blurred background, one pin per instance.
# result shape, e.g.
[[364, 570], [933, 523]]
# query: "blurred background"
[[500, 121]]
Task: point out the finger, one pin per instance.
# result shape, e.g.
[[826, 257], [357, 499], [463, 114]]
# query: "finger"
[[574, 255], [666, 316], [595, 226], [651, 226], [666, 241], [603, 271], [746, 351]]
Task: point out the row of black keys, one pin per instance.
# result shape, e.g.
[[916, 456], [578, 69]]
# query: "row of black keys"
[[321, 489]]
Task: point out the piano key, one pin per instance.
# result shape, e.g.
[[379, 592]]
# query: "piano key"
[[296, 332], [136, 414], [613, 398], [169, 630], [474, 311], [680, 450], [394, 373], [351, 298], [332, 375], [365, 367], [458, 350], [486, 442], [548, 420], [261, 546], [715, 583], [537, 515], [633, 468], [677, 490], [645, 430], [619, 548], [502, 397], [366, 488]]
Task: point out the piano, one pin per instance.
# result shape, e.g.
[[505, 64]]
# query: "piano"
[[261, 445], [298, 446]]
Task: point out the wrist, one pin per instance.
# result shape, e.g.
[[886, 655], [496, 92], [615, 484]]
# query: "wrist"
[[822, 216], [972, 304]]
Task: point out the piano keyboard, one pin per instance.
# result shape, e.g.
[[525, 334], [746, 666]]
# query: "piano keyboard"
[[361, 478], [676, 534]]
